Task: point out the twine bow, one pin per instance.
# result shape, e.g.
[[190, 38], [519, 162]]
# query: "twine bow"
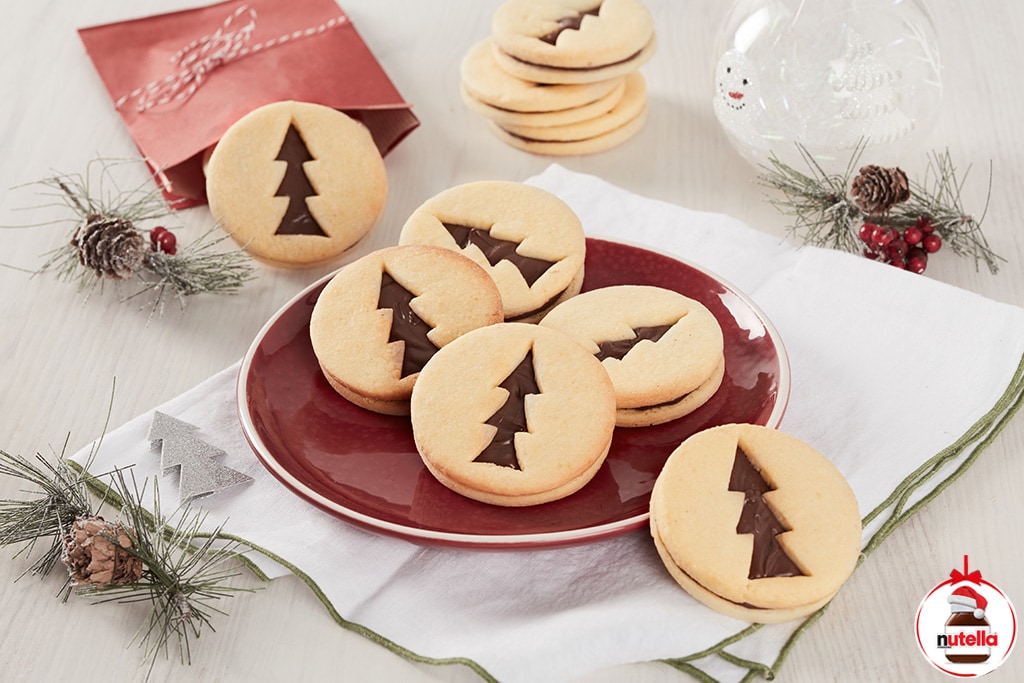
[[202, 56], [973, 577]]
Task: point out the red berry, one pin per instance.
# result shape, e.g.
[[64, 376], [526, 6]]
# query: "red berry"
[[866, 232], [883, 236], [917, 260], [897, 249], [932, 243], [898, 263], [913, 235], [870, 253], [163, 240], [925, 225]]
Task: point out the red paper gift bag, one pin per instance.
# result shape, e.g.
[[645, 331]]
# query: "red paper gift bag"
[[179, 80]]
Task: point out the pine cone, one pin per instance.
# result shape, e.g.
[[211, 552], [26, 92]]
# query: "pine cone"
[[93, 558], [876, 190], [110, 246]]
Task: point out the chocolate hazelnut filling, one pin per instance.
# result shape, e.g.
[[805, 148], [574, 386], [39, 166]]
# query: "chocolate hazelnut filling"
[[495, 249], [570, 23], [576, 68], [511, 417], [406, 326]]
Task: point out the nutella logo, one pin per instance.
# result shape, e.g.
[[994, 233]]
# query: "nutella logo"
[[966, 626]]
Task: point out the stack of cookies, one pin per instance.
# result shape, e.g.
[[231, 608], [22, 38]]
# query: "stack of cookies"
[[559, 77]]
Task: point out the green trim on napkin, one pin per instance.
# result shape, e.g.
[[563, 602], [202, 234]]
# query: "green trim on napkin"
[[971, 443], [107, 493]]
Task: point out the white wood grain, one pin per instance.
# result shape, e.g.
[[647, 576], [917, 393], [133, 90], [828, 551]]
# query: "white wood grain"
[[62, 352]]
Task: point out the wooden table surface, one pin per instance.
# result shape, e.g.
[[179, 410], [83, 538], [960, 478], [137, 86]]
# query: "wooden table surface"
[[61, 351]]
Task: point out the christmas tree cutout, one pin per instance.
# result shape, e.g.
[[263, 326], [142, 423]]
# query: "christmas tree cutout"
[[406, 326], [199, 474], [511, 417], [295, 185], [496, 250], [620, 347], [570, 23], [768, 557]]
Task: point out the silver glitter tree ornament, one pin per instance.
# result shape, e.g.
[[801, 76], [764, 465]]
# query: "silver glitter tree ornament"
[[199, 473]]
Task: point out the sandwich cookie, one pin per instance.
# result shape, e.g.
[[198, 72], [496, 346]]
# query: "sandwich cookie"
[[514, 415], [755, 523], [296, 183], [598, 134], [663, 351], [572, 41], [380, 319], [490, 85], [527, 239]]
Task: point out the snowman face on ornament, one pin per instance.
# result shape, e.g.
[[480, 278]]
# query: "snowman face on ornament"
[[736, 89], [737, 102]]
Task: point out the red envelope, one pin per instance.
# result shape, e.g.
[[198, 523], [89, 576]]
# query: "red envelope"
[[179, 80]]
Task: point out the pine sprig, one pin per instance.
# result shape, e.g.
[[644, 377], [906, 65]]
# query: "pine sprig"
[[818, 203], [824, 214], [938, 197], [60, 495], [95, 198], [184, 574], [182, 578]]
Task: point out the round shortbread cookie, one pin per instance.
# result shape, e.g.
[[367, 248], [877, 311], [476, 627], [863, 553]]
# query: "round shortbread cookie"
[[296, 183], [545, 118], [572, 34], [662, 350], [755, 523], [558, 76], [633, 101], [598, 143], [381, 318], [485, 81], [513, 414], [526, 238]]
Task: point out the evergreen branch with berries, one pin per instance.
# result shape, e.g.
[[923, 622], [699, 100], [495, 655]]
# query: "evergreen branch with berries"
[[878, 211], [108, 243]]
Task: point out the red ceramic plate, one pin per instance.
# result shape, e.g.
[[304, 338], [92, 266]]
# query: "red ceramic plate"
[[363, 467]]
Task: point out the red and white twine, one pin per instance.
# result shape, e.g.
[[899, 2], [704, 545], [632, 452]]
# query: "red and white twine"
[[203, 55]]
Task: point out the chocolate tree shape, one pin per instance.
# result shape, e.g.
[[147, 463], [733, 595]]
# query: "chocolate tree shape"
[[511, 417], [569, 23], [768, 558], [295, 185], [495, 250], [620, 347], [406, 326]]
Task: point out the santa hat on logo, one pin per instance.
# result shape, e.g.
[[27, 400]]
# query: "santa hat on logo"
[[966, 599]]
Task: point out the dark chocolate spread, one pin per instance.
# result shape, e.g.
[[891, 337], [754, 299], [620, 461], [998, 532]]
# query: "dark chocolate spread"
[[511, 417], [495, 250], [768, 557], [406, 326], [570, 23], [297, 219]]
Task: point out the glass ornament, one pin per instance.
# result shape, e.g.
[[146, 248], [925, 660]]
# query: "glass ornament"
[[829, 75]]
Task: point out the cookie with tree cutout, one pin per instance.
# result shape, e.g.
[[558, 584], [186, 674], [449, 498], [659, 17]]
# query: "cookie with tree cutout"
[[755, 523], [528, 240], [572, 41], [296, 183], [663, 351], [380, 319], [514, 415]]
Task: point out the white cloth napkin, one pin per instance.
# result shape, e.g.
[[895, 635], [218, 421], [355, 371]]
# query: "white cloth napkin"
[[849, 325]]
